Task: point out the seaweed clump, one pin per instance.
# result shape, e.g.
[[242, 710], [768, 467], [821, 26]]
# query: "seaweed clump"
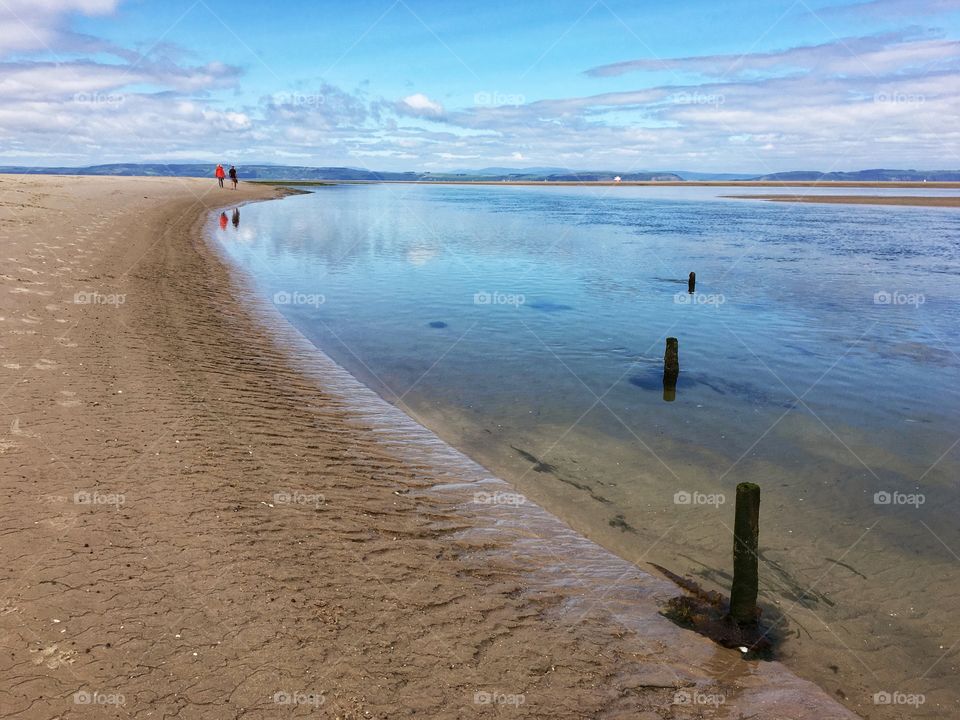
[[707, 612]]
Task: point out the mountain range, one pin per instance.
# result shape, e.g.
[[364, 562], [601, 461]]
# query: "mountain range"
[[530, 174]]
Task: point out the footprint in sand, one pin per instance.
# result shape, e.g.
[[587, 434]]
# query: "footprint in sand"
[[15, 429], [60, 523], [7, 607], [20, 290], [11, 365], [44, 364], [68, 399], [52, 656], [63, 341], [6, 446]]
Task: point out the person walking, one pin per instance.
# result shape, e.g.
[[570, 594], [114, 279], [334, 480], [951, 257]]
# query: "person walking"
[[220, 174], [233, 176]]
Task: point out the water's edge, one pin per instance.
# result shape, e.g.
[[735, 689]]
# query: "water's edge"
[[555, 556]]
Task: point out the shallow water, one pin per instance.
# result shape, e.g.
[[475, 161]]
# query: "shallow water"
[[526, 326]]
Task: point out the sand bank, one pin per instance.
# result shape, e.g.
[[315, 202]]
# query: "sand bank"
[[196, 526], [920, 201]]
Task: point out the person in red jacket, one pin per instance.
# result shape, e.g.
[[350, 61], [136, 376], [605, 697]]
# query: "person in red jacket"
[[220, 174]]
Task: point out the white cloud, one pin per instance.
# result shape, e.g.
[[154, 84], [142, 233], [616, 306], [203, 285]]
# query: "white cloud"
[[39, 24], [875, 100], [871, 55], [420, 105]]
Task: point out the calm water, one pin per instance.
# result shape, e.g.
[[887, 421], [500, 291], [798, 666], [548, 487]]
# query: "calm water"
[[526, 326]]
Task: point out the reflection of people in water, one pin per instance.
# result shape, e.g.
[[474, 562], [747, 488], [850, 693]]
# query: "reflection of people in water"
[[223, 221], [236, 217]]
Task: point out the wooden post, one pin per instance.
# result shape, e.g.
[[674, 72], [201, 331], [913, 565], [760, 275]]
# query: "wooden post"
[[671, 363], [746, 535], [692, 282]]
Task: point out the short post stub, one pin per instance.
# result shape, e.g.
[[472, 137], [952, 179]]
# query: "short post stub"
[[671, 362], [746, 537]]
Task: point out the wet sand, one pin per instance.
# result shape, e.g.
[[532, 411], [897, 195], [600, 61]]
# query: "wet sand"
[[196, 526], [919, 201]]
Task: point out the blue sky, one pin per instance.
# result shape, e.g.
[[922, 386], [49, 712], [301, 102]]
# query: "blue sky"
[[741, 85]]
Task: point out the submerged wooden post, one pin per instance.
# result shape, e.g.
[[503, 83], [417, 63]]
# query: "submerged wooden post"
[[671, 362], [692, 282], [746, 535]]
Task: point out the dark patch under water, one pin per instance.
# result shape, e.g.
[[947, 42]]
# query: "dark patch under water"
[[438, 324], [652, 380], [546, 306]]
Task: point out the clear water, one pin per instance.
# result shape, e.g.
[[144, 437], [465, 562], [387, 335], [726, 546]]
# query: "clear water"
[[526, 326]]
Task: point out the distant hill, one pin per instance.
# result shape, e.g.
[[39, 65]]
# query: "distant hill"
[[290, 172], [247, 172], [714, 177], [511, 171], [879, 175], [265, 171]]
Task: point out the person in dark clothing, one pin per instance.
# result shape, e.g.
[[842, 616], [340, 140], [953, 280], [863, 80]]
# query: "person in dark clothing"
[[233, 176], [236, 217]]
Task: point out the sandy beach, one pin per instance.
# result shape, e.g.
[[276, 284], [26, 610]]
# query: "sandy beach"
[[196, 528]]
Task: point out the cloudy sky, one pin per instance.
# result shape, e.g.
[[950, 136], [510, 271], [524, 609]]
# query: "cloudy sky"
[[713, 85]]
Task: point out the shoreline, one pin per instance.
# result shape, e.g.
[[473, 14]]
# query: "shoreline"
[[630, 183], [384, 594]]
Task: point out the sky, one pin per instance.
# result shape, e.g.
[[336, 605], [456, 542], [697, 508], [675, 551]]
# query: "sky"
[[754, 86]]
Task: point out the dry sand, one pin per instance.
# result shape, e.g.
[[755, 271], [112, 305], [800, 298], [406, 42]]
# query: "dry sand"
[[147, 420], [919, 200]]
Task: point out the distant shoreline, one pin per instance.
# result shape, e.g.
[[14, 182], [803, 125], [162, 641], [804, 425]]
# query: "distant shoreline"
[[630, 183], [919, 200]]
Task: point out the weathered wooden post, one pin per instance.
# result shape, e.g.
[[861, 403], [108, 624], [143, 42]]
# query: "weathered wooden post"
[[671, 362], [671, 369], [746, 535], [692, 282]]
